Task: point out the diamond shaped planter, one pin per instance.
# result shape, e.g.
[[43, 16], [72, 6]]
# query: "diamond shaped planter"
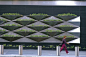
[[67, 39], [25, 22], [11, 27], [75, 33], [52, 23], [39, 17], [38, 39], [52, 33], [66, 28], [11, 38], [2, 32], [75, 23], [1, 22], [38, 28], [24, 33], [11, 17], [66, 18]]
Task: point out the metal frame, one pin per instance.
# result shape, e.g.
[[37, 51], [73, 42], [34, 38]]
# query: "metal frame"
[[50, 3]]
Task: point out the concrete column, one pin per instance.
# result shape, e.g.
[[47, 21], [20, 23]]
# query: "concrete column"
[[39, 50], [20, 49], [77, 51], [58, 50], [1, 49]]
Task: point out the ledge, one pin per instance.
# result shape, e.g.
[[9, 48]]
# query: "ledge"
[[43, 2]]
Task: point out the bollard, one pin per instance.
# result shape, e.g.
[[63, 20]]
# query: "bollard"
[[1, 49], [39, 50], [20, 49], [58, 50], [77, 51]]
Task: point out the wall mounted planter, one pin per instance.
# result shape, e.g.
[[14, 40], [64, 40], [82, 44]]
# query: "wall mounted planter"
[[75, 23], [11, 17], [11, 38], [38, 39], [52, 23], [67, 39], [52, 33], [38, 28], [66, 18], [38, 17], [25, 22], [75, 33], [66, 28], [11, 27], [2, 32], [25, 33], [1, 22]]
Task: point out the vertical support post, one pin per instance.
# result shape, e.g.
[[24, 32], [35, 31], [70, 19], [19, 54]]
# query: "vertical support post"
[[77, 51], [39, 50], [20, 49], [58, 50], [1, 49]]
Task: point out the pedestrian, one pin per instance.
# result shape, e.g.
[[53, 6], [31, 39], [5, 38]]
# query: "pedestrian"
[[63, 45]]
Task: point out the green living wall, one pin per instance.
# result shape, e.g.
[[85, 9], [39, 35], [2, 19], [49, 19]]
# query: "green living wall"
[[46, 30]]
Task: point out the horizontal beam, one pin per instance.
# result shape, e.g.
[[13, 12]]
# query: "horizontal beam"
[[42, 0], [50, 3]]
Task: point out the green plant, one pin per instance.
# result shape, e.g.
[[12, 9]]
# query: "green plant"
[[51, 46], [25, 20], [53, 20], [4, 44], [39, 36], [43, 46], [68, 47], [12, 25], [27, 46], [72, 46], [6, 35], [65, 26], [79, 47], [39, 25], [23, 46], [10, 45], [2, 30], [17, 45], [66, 14], [84, 48], [53, 30], [34, 14], [66, 36], [3, 20], [24, 30], [13, 46], [11, 14]]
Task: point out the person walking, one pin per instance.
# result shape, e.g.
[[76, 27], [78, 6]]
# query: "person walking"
[[63, 45]]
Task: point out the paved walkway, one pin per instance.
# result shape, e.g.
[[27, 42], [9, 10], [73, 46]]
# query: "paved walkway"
[[45, 53]]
